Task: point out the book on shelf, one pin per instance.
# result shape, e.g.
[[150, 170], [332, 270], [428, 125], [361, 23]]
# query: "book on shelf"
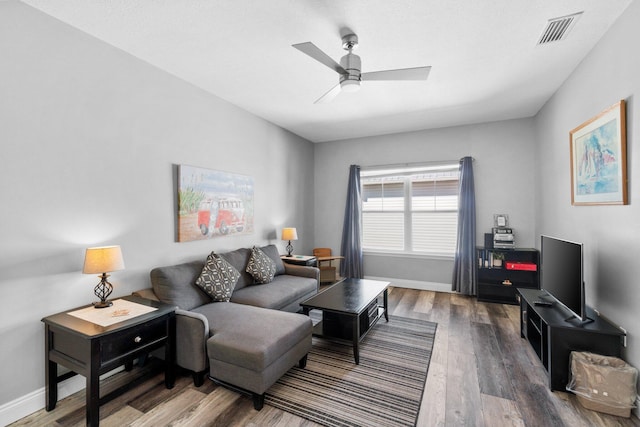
[[487, 260]]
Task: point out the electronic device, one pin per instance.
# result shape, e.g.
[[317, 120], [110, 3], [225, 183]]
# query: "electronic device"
[[504, 245], [503, 238], [543, 303], [488, 240], [561, 269]]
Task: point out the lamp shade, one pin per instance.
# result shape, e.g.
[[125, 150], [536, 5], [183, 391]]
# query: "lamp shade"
[[103, 260], [289, 234]]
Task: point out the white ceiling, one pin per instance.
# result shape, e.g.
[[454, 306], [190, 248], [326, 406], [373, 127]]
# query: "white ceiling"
[[486, 62]]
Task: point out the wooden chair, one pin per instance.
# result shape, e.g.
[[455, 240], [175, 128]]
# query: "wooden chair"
[[325, 264]]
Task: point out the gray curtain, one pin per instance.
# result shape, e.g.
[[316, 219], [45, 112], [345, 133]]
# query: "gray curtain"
[[351, 248], [464, 267]]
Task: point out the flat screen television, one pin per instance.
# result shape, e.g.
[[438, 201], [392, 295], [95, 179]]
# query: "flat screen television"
[[561, 269]]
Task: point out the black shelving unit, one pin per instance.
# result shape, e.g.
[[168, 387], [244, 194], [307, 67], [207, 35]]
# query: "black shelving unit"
[[497, 283]]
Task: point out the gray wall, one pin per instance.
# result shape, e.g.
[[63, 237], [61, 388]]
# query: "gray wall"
[[88, 139], [610, 233], [504, 182]]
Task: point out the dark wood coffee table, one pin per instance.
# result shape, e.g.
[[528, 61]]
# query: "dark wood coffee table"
[[350, 308]]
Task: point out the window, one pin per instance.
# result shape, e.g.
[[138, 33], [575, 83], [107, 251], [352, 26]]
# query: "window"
[[411, 210]]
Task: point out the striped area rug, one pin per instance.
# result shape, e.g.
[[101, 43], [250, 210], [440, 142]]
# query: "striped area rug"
[[385, 389]]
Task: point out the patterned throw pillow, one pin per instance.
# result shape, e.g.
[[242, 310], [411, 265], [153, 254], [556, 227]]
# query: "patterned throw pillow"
[[260, 266], [218, 278]]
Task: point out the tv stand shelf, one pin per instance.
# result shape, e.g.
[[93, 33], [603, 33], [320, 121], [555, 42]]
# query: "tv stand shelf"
[[553, 338]]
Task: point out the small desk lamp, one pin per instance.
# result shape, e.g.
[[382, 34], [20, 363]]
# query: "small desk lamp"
[[289, 234], [101, 261]]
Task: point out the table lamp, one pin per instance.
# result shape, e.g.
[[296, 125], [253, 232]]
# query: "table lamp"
[[103, 260], [289, 234]]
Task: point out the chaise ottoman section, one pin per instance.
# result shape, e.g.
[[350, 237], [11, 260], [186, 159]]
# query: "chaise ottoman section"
[[252, 347]]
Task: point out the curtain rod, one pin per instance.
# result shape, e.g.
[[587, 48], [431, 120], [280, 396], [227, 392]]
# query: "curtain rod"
[[411, 165]]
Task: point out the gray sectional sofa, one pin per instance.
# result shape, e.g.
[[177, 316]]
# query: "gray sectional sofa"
[[248, 342]]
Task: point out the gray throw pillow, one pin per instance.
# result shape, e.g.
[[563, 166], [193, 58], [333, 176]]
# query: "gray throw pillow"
[[218, 278], [272, 252], [260, 266]]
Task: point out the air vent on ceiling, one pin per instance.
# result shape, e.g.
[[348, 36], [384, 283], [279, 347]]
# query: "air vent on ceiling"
[[558, 28]]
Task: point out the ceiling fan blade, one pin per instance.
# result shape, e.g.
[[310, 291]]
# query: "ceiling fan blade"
[[328, 97], [313, 51], [417, 73]]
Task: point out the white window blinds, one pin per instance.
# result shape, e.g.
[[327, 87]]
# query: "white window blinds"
[[411, 209]]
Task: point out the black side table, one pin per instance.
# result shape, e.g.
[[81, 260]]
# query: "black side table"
[[305, 260], [91, 350]]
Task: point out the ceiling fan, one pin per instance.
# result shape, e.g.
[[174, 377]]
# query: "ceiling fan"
[[350, 68]]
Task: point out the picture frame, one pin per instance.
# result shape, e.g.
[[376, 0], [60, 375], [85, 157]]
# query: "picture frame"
[[598, 153], [213, 203], [500, 220]]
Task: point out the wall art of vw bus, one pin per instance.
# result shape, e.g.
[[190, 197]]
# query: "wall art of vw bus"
[[213, 203]]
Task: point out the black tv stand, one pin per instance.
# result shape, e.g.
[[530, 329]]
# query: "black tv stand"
[[553, 336]]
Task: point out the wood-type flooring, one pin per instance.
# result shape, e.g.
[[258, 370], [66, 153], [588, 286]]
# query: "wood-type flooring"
[[481, 374]]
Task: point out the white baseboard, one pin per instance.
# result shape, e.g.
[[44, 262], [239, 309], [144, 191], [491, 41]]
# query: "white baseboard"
[[415, 284], [36, 400]]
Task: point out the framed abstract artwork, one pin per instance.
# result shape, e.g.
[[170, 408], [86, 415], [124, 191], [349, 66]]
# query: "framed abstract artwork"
[[213, 203], [599, 159]]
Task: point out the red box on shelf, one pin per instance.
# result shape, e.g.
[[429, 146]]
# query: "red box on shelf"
[[527, 266]]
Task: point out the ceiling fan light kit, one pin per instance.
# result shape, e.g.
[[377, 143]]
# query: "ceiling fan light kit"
[[350, 68], [351, 63], [348, 85]]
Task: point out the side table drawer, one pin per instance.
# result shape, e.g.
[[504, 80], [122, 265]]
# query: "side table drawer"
[[132, 340]]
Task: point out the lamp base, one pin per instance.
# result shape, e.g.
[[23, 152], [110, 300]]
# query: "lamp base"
[[102, 304], [102, 291], [289, 249]]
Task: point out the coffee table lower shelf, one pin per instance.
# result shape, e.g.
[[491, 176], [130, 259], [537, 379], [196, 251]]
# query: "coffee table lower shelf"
[[349, 310], [340, 328]]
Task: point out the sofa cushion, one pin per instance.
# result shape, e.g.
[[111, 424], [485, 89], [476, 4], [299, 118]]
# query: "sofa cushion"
[[278, 294], [239, 259], [260, 266], [218, 278], [272, 252], [252, 337], [175, 285]]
